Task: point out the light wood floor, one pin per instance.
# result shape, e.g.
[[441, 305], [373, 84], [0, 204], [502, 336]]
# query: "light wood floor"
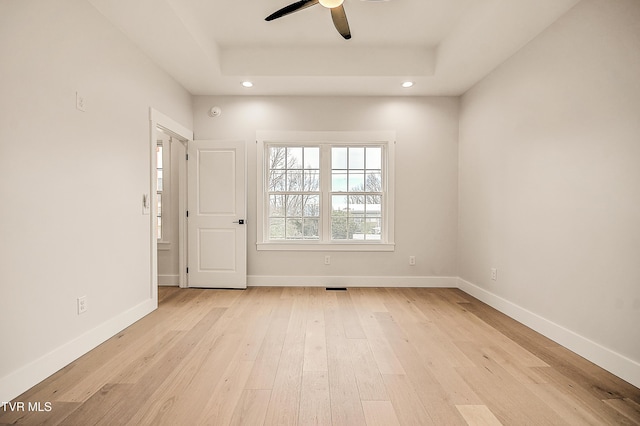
[[284, 356]]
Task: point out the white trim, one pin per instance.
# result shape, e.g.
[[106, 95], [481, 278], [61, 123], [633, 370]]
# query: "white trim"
[[33, 373], [326, 136], [171, 125], [349, 281], [611, 361], [181, 133], [386, 138], [302, 246], [153, 212], [36, 371], [182, 217], [169, 280], [164, 246]]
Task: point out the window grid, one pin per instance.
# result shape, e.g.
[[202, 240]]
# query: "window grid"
[[356, 193], [159, 153], [351, 176], [293, 181]]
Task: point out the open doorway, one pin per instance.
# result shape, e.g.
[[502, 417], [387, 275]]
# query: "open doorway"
[[168, 200], [169, 152]]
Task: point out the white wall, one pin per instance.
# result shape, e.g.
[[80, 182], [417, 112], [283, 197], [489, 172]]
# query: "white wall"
[[550, 184], [426, 183], [71, 183]]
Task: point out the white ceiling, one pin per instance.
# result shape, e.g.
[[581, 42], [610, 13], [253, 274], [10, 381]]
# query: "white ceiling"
[[444, 46]]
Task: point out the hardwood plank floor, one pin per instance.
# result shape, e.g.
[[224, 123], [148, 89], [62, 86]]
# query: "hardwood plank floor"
[[289, 356]]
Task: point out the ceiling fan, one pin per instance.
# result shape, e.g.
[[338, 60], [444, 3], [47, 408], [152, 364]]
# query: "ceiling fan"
[[337, 13]]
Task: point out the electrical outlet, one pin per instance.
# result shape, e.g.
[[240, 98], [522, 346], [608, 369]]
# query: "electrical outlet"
[[494, 274], [327, 260], [82, 305], [412, 260]]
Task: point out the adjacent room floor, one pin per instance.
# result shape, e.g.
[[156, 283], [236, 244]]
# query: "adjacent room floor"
[[374, 356]]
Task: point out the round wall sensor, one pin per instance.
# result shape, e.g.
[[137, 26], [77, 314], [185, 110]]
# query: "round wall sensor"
[[215, 111]]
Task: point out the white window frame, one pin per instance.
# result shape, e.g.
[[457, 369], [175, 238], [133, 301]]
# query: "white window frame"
[[164, 243], [325, 140]]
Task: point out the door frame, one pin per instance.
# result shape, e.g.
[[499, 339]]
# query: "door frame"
[[184, 135]]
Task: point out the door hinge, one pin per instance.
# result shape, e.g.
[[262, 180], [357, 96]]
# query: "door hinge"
[[187, 156], [187, 213], [187, 270]]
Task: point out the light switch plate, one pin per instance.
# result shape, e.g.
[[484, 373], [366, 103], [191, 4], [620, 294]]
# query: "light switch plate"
[[146, 204], [80, 104]]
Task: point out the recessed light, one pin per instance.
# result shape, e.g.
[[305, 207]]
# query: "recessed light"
[[247, 84], [407, 84]]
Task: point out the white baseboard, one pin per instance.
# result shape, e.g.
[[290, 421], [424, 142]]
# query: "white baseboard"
[[33, 373], [623, 367], [169, 280], [349, 281]]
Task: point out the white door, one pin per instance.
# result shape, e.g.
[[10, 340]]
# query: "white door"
[[216, 233]]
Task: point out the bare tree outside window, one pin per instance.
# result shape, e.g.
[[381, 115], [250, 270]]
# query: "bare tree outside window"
[[326, 192], [356, 197], [294, 192]]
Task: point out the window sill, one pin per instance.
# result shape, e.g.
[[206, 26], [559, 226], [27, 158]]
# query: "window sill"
[[303, 246]]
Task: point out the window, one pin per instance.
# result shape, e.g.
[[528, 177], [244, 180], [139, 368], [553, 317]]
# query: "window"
[[325, 191], [293, 192], [159, 187], [163, 189], [356, 193]]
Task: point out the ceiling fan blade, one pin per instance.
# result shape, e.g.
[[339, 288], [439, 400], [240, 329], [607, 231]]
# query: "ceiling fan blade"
[[340, 21], [293, 7]]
